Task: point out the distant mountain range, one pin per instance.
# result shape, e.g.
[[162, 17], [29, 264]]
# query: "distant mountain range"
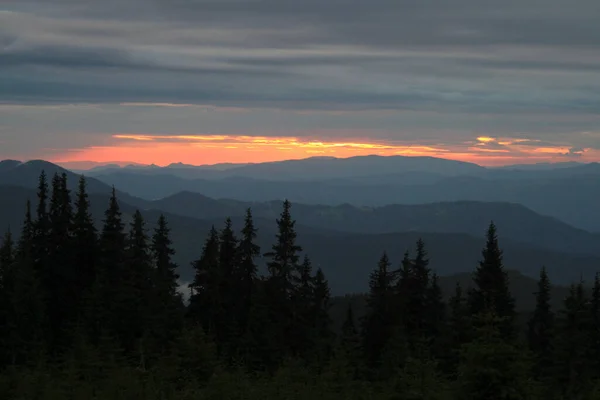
[[542, 166], [310, 168], [345, 240], [346, 258], [178, 169], [569, 194], [416, 161], [515, 221]]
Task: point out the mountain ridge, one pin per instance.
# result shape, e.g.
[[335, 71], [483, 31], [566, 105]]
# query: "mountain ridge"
[[571, 199], [26, 174], [517, 221], [459, 216], [346, 258], [320, 167]]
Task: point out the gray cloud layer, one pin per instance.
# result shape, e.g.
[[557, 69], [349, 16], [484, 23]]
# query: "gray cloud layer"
[[512, 66], [471, 55]]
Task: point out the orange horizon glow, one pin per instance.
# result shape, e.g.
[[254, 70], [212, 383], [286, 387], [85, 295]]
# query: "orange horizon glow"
[[214, 149]]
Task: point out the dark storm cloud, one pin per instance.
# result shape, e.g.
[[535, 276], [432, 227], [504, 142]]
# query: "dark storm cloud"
[[574, 152], [430, 22], [67, 57], [466, 55], [375, 22], [78, 58]]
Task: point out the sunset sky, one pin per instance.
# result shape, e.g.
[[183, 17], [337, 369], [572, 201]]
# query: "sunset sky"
[[211, 81]]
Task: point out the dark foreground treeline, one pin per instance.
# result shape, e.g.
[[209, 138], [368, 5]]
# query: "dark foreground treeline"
[[97, 315]]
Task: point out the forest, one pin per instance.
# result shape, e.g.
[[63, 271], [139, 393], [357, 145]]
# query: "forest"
[[89, 313]]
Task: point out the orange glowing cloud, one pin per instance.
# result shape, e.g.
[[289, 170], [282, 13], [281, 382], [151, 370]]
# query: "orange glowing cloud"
[[212, 149]]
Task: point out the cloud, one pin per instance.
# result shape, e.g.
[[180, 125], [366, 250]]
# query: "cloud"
[[428, 73], [426, 55], [574, 152]]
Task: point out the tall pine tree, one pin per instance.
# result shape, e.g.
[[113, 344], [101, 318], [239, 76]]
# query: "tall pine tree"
[[435, 317], [26, 309], [540, 330], [378, 324], [102, 314], [283, 267], [595, 326], [134, 292], [59, 278], [491, 293], [7, 260], [41, 229], [417, 293], [226, 324], [458, 331], [167, 305], [303, 331], [246, 272], [205, 290], [324, 336], [84, 247], [572, 370], [284, 257]]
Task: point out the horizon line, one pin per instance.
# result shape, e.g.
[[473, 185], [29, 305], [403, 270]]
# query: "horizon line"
[[90, 164]]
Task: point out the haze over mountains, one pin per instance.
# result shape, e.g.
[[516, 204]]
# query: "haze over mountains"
[[350, 210], [566, 191]]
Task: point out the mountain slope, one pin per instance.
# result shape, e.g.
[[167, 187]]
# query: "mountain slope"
[[570, 199], [26, 174], [540, 166], [517, 222], [347, 259]]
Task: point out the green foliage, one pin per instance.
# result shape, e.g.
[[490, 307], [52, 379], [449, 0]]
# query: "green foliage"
[[540, 332], [457, 332], [84, 249], [165, 303], [134, 295], [204, 301], [88, 316], [103, 310], [379, 322], [420, 380], [280, 287], [491, 293], [246, 272], [572, 365], [595, 326], [492, 368], [58, 278], [7, 261], [25, 313]]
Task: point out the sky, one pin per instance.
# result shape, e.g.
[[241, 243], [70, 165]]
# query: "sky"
[[211, 81]]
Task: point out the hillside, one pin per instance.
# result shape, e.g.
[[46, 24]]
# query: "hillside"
[[566, 193], [347, 259], [26, 174], [516, 221], [571, 199]]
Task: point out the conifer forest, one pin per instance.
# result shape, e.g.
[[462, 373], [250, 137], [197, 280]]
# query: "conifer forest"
[[98, 313]]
